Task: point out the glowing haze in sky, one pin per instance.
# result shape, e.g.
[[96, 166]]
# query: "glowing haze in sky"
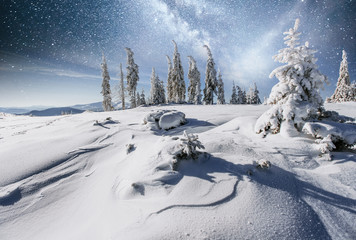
[[50, 50]]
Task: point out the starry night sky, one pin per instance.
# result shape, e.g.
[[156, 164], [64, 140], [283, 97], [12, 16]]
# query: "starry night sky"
[[50, 50]]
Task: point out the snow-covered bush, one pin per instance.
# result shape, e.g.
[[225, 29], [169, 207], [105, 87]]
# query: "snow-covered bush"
[[164, 119], [262, 164], [130, 147], [187, 148], [331, 135], [108, 120], [296, 97]]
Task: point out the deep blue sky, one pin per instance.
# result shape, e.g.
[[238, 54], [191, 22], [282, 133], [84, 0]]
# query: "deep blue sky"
[[50, 50]]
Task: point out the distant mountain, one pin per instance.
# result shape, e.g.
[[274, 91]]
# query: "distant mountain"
[[95, 107], [98, 106], [14, 110], [54, 111], [21, 110], [50, 111]]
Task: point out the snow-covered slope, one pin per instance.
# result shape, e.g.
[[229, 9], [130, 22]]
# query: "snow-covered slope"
[[108, 176]]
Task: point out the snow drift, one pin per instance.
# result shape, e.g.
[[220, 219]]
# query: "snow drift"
[[72, 177]]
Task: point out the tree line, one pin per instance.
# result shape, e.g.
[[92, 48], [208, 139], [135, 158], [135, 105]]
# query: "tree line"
[[175, 92]]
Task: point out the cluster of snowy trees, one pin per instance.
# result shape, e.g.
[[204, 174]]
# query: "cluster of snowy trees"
[[157, 89], [131, 77], [176, 89], [240, 96]]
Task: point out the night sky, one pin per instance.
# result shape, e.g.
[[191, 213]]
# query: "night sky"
[[50, 50]]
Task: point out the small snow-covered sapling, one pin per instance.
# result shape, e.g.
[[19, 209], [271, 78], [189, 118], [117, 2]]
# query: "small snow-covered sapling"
[[263, 164], [188, 146], [130, 147]]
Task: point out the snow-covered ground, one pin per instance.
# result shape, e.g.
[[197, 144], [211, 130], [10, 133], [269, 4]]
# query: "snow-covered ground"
[[108, 176]]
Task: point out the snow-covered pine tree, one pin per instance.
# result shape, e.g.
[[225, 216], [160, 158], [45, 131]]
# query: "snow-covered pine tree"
[[198, 95], [249, 95], [221, 93], [296, 97], [143, 100], [138, 99], [131, 76], [210, 79], [240, 96], [256, 98], [252, 96], [122, 88], [170, 95], [233, 99], [162, 93], [344, 92], [106, 92], [244, 97], [155, 88], [178, 84], [194, 95]]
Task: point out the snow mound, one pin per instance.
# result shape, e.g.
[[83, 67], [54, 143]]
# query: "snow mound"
[[171, 120], [164, 119]]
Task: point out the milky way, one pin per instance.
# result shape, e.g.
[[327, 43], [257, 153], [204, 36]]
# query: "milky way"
[[51, 50]]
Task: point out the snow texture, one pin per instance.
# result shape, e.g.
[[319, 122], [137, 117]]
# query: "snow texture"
[[62, 177]]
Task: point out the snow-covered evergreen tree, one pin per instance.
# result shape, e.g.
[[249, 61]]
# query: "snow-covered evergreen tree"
[[221, 93], [106, 92], [241, 96], [244, 97], [131, 76], [253, 97], [162, 93], [143, 98], [233, 99], [194, 95], [178, 84], [210, 79], [296, 97], [138, 99], [249, 96], [157, 89], [122, 88], [344, 91], [198, 95], [155, 99], [170, 93]]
